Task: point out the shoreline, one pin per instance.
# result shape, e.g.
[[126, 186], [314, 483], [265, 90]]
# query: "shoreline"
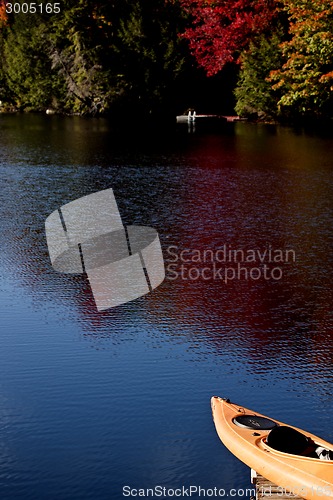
[[202, 120]]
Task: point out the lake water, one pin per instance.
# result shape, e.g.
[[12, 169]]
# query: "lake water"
[[92, 402]]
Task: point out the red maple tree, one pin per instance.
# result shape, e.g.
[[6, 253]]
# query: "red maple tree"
[[221, 29]]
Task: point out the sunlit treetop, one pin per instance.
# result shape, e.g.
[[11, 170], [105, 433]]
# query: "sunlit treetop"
[[221, 29], [306, 77]]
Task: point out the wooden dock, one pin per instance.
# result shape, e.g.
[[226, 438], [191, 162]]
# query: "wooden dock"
[[268, 490], [192, 118]]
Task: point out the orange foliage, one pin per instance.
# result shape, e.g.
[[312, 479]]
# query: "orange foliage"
[[305, 79], [3, 14]]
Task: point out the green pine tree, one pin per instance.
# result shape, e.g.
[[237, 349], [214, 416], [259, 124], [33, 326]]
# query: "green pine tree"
[[254, 93]]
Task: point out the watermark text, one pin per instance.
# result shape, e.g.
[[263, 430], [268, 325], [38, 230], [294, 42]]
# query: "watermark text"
[[227, 264]]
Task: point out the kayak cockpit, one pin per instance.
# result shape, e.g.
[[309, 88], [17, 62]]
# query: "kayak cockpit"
[[289, 440], [282, 438]]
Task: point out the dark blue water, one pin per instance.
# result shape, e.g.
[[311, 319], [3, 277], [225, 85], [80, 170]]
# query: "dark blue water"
[[92, 402]]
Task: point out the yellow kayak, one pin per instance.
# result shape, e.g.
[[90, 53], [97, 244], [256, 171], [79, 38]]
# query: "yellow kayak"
[[297, 461]]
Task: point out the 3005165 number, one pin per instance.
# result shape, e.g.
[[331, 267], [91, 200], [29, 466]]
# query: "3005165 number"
[[33, 8]]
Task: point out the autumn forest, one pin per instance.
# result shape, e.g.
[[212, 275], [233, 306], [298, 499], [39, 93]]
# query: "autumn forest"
[[260, 59]]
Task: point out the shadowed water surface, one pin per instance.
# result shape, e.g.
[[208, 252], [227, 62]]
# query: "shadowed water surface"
[[91, 402]]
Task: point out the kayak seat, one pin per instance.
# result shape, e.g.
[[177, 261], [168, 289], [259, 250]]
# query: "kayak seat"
[[288, 440]]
